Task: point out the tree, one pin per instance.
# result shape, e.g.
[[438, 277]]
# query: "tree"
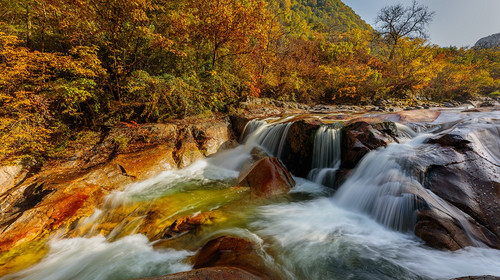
[[398, 21], [224, 28]]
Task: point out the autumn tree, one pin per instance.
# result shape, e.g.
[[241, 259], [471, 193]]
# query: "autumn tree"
[[37, 92], [224, 28]]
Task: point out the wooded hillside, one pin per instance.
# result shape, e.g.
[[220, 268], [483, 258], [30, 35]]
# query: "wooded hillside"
[[68, 65]]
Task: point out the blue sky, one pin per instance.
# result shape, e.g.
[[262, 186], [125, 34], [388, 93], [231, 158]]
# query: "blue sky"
[[456, 22]]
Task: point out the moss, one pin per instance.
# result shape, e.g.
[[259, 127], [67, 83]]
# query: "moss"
[[122, 142]]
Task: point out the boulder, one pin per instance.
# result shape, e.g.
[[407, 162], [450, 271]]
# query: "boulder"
[[187, 150], [360, 138], [210, 136], [209, 273], [462, 169], [233, 252], [266, 178], [298, 152]]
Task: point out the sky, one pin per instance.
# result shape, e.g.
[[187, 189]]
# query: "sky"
[[458, 23]]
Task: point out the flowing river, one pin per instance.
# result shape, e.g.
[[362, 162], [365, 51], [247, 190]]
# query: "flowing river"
[[363, 230]]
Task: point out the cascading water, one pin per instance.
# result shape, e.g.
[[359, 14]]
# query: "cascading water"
[[326, 155], [313, 236], [382, 188], [270, 136]]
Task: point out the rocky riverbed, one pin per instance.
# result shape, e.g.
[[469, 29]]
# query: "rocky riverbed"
[[429, 174]]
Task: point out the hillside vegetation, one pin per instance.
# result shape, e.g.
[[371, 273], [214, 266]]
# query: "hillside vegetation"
[[73, 65]]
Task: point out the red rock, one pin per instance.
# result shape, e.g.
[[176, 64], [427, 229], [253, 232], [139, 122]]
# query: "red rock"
[[267, 177], [232, 252]]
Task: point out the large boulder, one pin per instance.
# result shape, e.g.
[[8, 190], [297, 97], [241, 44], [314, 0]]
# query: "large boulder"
[[462, 169], [233, 252], [361, 137], [266, 178], [299, 149]]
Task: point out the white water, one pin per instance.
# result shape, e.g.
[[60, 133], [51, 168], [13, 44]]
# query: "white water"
[[271, 136], [326, 156], [96, 259], [348, 236], [320, 240], [380, 188]]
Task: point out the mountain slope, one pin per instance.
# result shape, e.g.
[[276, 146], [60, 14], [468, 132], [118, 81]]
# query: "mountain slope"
[[492, 41], [320, 16]]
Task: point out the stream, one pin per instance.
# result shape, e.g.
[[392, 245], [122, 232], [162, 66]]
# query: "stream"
[[362, 230]]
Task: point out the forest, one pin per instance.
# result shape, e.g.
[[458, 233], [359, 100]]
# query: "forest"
[[70, 65]]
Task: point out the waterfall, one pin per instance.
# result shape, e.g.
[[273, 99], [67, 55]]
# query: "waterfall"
[[326, 156], [271, 136], [382, 188]]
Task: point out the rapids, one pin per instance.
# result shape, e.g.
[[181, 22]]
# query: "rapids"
[[361, 231]]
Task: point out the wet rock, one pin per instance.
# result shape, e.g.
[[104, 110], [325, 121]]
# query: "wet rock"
[[232, 252], [452, 140], [210, 273], [361, 137], [189, 224], [299, 148], [228, 145], [441, 231], [462, 168], [238, 123], [61, 193], [257, 154], [266, 178]]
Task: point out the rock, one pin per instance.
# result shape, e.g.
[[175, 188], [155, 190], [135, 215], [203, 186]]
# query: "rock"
[[361, 137], [187, 149], [60, 194], [462, 169], [238, 123], [298, 151], [232, 252], [210, 273], [228, 145], [10, 176], [147, 163], [257, 154], [452, 140], [189, 224], [440, 231], [266, 178], [210, 136]]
